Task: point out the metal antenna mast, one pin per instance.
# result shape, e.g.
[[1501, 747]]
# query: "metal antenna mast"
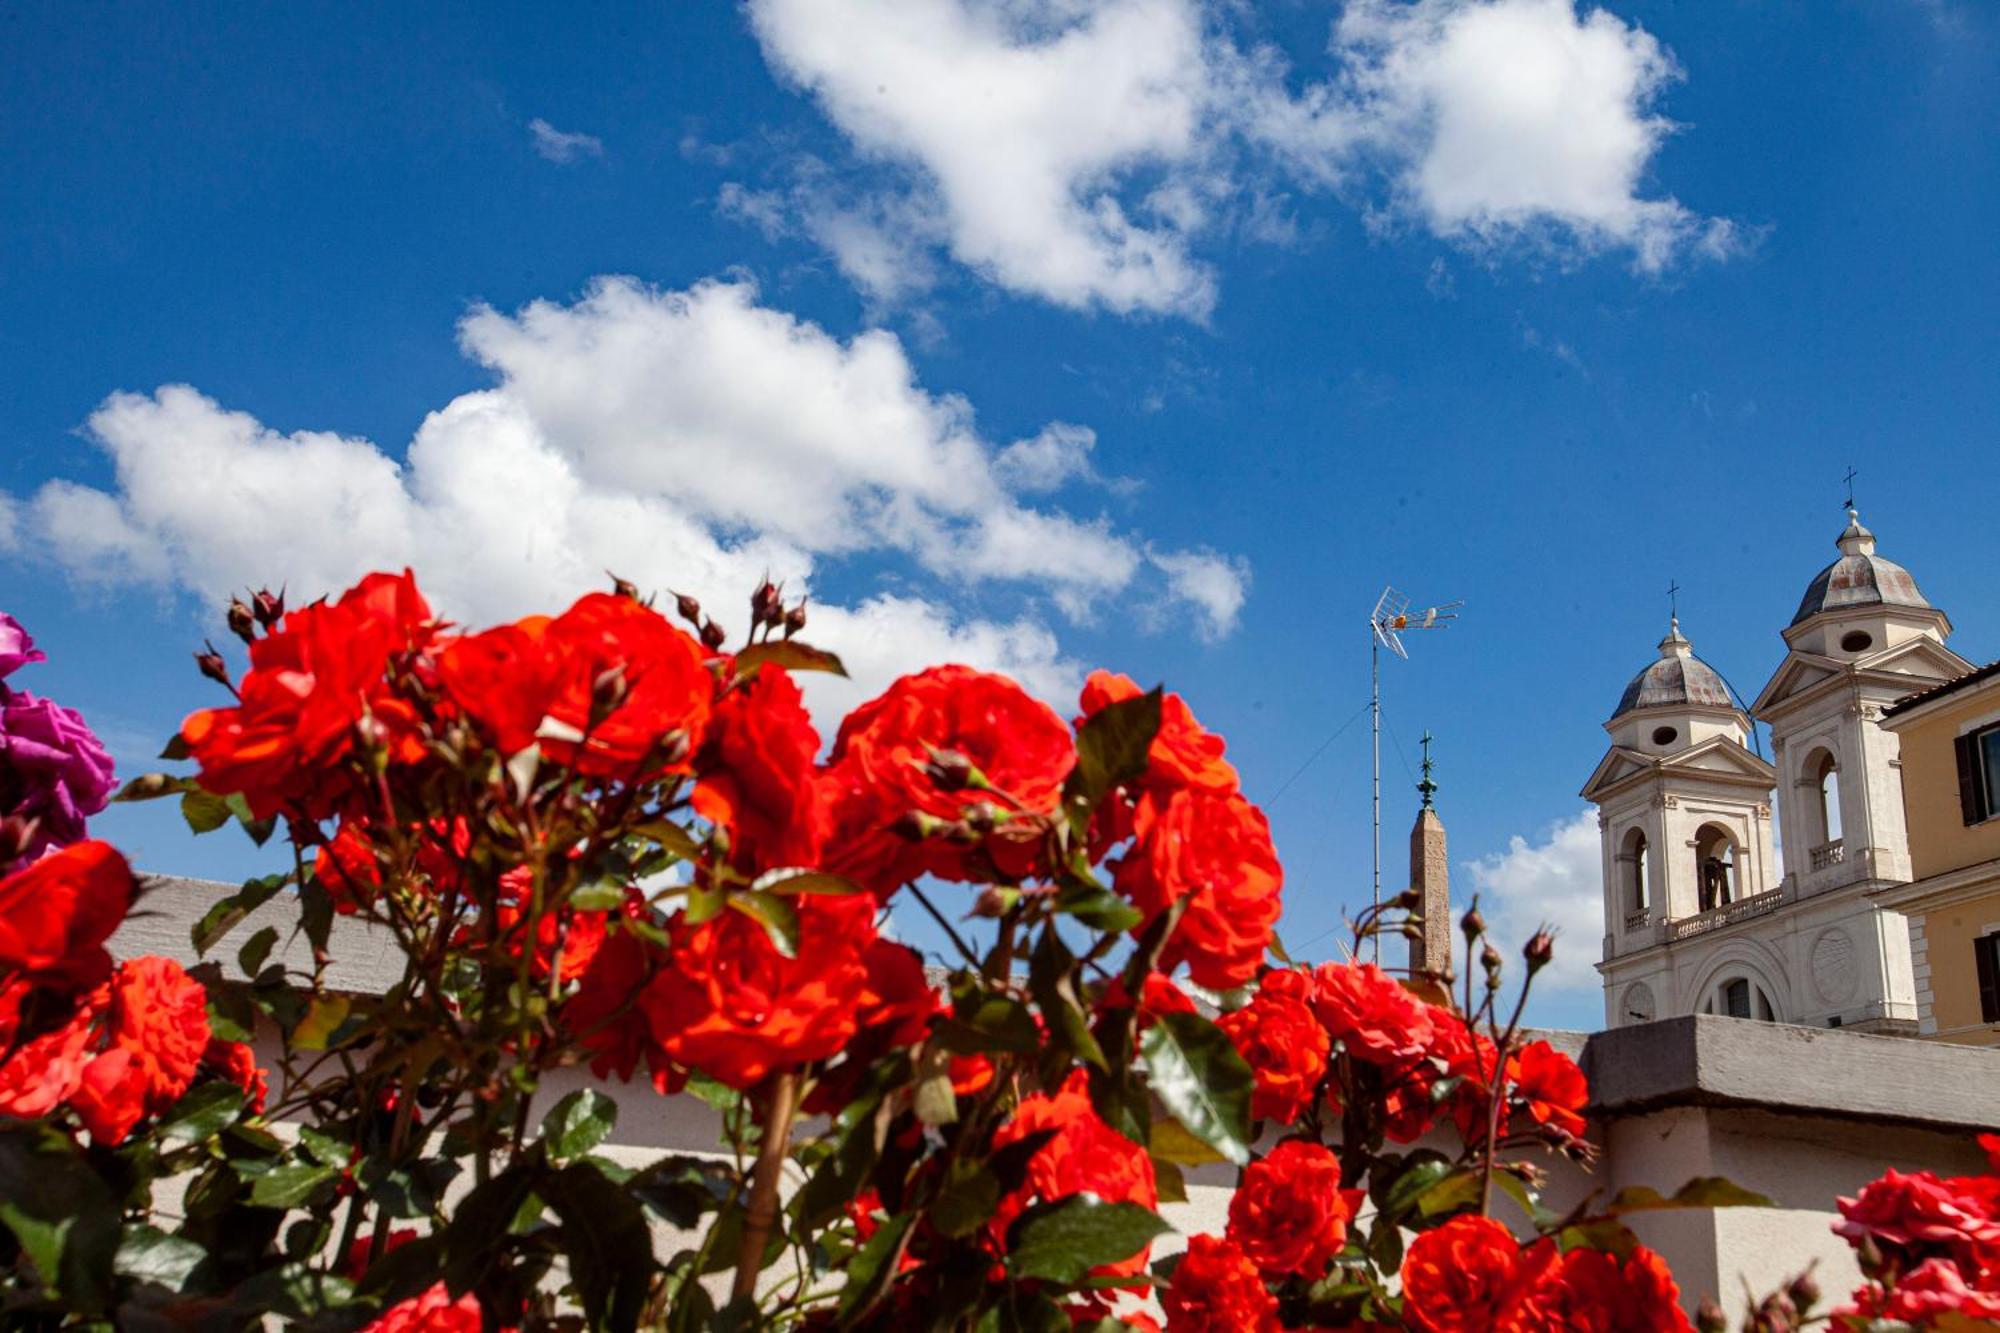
[[1386, 624]]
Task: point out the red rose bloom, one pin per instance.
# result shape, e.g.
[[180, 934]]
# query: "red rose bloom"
[[1217, 1289], [432, 1312], [575, 935], [893, 1012], [1552, 1087], [1183, 752], [235, 1061], [1286, 1049], [154, 1040], [1290, 1216], [1216, 852], [1370, 1013], [1086, 1155], [1471, 1276], [602, 687], [42, 1072], [605, 1017], [759, 778], [732, 1006], [1919, 1212], [1934, 1287], [876, 773], [1158, 995], [310, 681], [1594, 1292], [56, 913]]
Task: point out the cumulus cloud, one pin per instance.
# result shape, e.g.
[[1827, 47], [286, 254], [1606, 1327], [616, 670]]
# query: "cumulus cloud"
[[1082, 153], [1555, 880], [562, 146], [695, 440]]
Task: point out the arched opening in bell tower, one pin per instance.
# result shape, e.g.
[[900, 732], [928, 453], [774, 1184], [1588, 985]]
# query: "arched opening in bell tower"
[[1635, 874], [1715, 866], [1822, 783]]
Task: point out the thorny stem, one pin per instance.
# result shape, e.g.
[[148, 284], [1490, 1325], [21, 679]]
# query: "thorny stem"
[[937, 916], [761, 1213]]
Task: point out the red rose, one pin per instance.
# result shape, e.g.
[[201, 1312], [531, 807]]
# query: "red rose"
[[235, 1061], [432, 1312], [1158, 996], [604, 687], [1217, 1288], [1594, 1292], [154, 1040], [1471, 1276], [876, 774], [1286, 1049], [605, 1017], [56, 913], [1289, 1215], [1552, 1087], [1919, 1212], [1085, 1156], [1216, 852], [731, 1005], [41, 1073], [1934, 1287], [310, 682], [759, 775], [892, 1012], [1370, 1013], [362, 1252], [1183, 752], [575, 935]]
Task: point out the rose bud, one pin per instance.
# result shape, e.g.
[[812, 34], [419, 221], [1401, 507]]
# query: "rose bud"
[[1472, 925], [623, 587], [1708, 1317], [269, 610], [212, 665], [688, 607], [952, 771], [607, 691], [1804, 1291], [1489, 958], [795, 619], [1409, 900], [242, 620], [1540, 948], [766, 606], [673, 747], [995, 901], [916, 826], [713, 635]]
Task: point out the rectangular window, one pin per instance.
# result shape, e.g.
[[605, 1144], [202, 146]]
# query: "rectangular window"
[[1986, 961], [1979, 774], [1736, 999]]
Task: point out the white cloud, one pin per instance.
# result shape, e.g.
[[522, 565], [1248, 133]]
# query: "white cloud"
[[1215, 586], [1556, 881], [694, 440], [1081, 153], [562, 146]]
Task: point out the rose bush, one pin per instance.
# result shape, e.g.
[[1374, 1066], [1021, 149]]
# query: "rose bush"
[[606, 838]]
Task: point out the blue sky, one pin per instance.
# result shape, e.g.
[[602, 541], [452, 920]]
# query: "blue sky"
[[1150, 333]]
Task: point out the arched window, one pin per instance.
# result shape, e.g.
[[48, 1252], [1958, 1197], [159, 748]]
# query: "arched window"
[[1740, 997], [1822, 775], [1636, 874], [1715, 866]]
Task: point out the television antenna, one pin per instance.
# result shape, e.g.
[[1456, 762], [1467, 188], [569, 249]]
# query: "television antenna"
[[1387, 624]]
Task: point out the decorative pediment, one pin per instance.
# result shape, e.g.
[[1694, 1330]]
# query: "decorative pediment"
[[1925, 660], [1798, 673], [1720, 757], [1619, 764]]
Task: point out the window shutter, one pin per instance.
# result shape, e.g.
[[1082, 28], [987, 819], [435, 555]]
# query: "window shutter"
[[1986, 954], [1970, 804]]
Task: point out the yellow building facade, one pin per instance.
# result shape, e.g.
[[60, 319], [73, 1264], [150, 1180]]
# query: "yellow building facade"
[[1950, 738]]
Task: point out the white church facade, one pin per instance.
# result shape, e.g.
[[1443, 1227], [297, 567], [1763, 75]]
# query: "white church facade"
[[1700, 916]]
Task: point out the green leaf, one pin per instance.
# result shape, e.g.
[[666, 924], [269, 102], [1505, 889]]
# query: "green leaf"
[[1170, 1141], [682, 1189], [176, 748], [1062, 1242], [1453, 1194], [323, 1018], [1051, 979], [609, 1246], [705, 903], [1100, 909], [992, 1021], [1111, 749], [291, 1186], [779, 918], [789, 654], [1701, 1192], [294, 1293], [670, 836], [869, 1271], [316, 914], [152, 786], [935, 1101], [204, 811], [1168, 1182], [255, 950], [805, 881], [148, 1254], [64, 1218], [605, 895], [1421, 1170], [967, 1201], [578, 1123], [223, 917], [1199, 1077], [202, 1112]]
